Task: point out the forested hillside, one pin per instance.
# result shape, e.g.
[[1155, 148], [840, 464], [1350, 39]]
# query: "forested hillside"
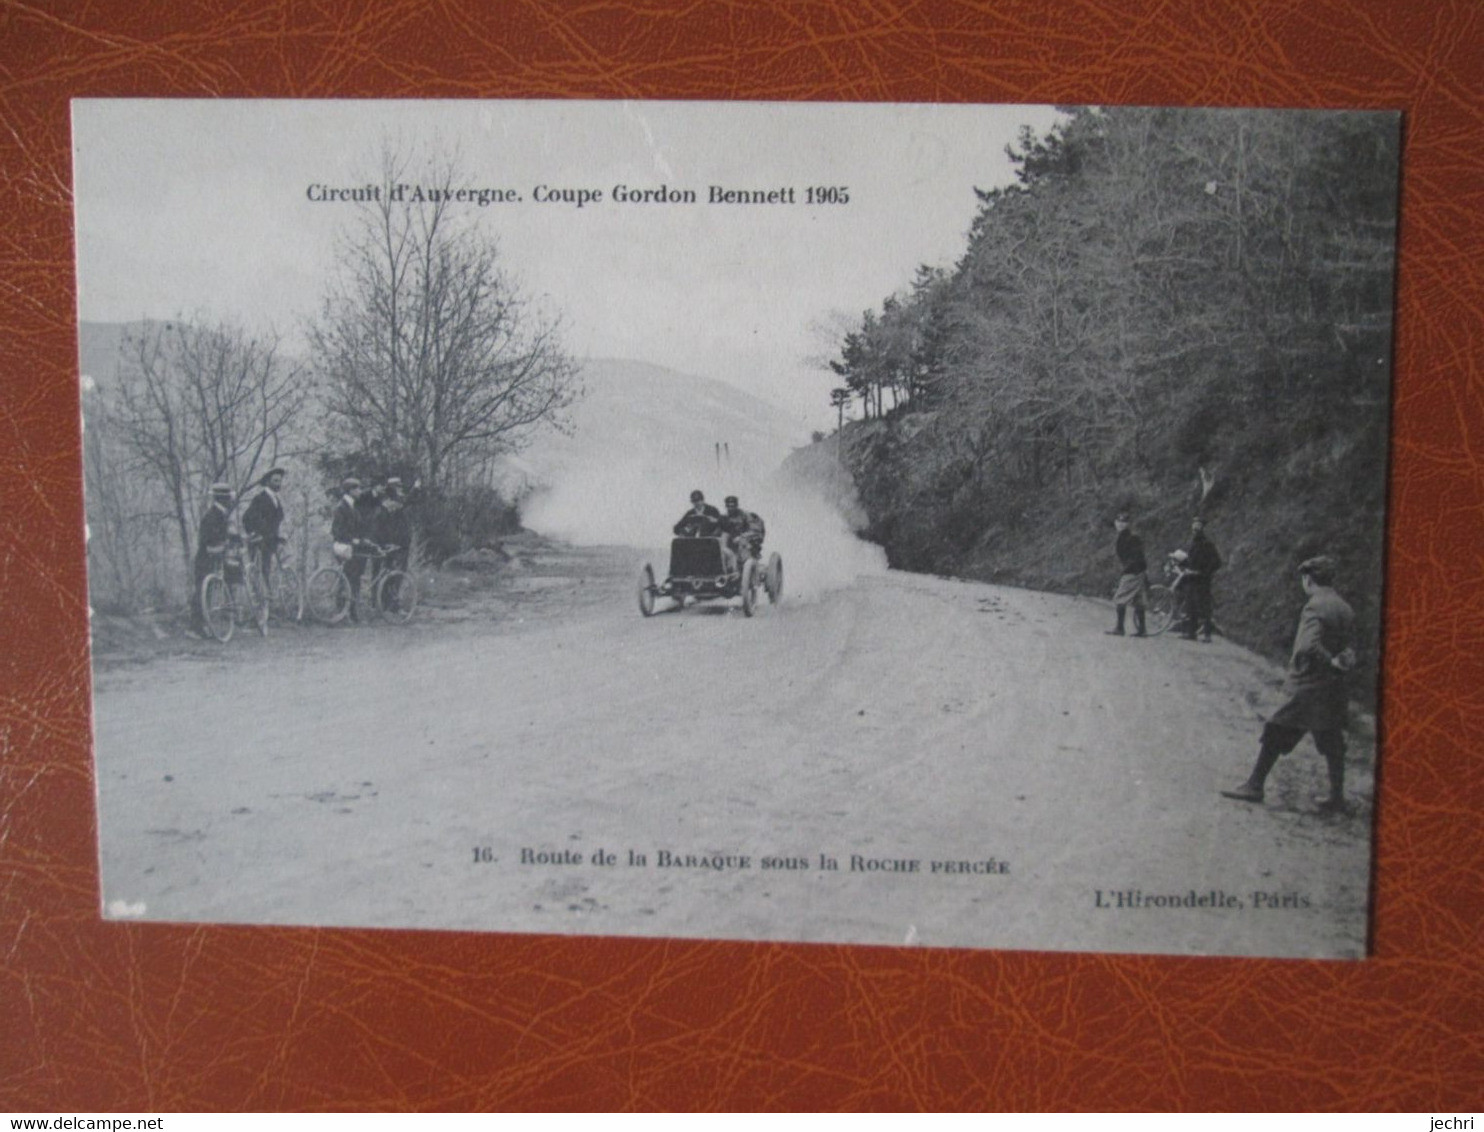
[[1170, 311]]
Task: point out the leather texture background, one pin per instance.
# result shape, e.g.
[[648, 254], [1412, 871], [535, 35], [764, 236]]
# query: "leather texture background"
[[107, 1017]]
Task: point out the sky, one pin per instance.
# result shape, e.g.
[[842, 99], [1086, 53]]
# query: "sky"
[[204, 208]]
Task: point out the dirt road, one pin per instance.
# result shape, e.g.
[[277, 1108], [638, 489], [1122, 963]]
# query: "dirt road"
[[982, 764]]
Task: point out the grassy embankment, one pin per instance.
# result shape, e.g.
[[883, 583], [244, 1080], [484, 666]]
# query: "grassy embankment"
[[1266, 514]]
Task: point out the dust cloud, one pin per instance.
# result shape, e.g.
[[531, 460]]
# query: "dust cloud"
[[634, 499]]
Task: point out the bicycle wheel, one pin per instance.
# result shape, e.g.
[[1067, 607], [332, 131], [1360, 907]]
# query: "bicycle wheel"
[[286, 594], [396, 595], [1180, 618], [328, 595], [1160, 603], [255, 598], [216, 607]]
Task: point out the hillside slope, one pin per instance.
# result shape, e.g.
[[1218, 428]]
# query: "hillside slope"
[[1265, 515]]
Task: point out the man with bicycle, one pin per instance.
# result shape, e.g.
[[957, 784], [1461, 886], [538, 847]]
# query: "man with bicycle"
[[212, 537], [262, 520], [1201, 563], [393, 526], [348, 539], [390, 527], [368, 507]]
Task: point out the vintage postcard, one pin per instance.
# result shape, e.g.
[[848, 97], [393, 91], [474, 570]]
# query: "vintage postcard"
[[947, 526]]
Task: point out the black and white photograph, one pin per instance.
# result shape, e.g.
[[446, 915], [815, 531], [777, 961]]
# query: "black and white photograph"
[[949, 526]]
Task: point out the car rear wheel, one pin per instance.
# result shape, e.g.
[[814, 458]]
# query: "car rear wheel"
[[773, 579]]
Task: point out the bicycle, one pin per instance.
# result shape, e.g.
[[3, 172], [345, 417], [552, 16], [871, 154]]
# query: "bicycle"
[[1168, 605], [393, 591], [285, 594], [228, 598]]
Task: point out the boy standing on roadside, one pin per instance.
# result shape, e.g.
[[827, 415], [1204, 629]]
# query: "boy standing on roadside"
[[1133, 582]]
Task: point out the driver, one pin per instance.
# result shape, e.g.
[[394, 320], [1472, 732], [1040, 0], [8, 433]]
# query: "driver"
[[704, 521], [743, 530], [701, 521]]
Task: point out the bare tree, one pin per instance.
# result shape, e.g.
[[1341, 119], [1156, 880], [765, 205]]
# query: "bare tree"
[[426, 349], [123, 523], [197, 403]]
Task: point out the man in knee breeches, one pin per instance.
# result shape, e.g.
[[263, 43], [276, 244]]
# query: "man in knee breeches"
[[1323, 655]]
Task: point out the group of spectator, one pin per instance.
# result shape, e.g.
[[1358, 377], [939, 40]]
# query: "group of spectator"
[[367, 525], [1196, 565], [370, 525], [214, 536], [1323, 652]]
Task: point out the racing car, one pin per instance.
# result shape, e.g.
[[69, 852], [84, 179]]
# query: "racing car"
[[698, 572]]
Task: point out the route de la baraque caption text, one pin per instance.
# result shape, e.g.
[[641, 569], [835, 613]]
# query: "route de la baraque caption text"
[[1127, 899], [823, 862]]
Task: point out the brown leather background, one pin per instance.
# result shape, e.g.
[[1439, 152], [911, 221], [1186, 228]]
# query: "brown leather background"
[[98, 1016]]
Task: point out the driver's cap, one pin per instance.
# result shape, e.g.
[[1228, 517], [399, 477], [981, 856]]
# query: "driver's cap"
[[697, 497], [731, 501]]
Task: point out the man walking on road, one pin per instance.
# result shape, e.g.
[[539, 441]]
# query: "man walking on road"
[[1323, 653], [1133, 583], [1202, 561]]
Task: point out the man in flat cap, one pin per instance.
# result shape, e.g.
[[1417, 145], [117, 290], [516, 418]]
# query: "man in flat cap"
[[1323, 653], [347, 536]]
